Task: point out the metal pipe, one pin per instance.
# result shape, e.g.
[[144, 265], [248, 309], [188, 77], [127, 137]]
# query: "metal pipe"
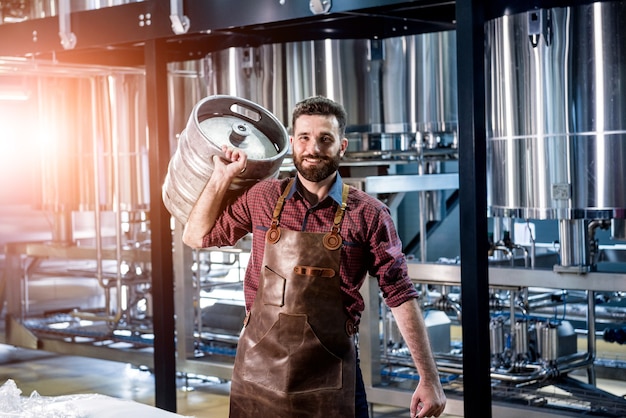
[[534, 372], [497, 234], [591, 335], [526, 256], [506, 250], [115, 130], [96, 185], [422, 215], [444, 303]]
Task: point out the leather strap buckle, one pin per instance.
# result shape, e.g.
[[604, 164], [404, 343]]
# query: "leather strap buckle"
[[314, 271]]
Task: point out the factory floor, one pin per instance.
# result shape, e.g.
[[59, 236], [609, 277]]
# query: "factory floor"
[[56, 375], [51, 374]]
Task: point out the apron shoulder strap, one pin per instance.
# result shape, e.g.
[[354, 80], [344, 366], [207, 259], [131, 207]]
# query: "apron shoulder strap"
[[341, 209], [273, 234], [332, 240]]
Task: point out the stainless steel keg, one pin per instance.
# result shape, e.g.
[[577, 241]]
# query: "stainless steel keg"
[[215, 121]]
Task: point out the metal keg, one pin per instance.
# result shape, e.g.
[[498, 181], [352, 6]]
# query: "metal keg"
[[215, 121]]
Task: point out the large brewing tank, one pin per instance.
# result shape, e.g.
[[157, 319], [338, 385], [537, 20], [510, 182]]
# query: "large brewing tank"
[[391, 88], [94, 150], [216, 121], [252, 73], [556, 126], [186, 87], [345, 70], [436, 82]]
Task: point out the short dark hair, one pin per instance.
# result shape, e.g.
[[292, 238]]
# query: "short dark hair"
[[320, 105]]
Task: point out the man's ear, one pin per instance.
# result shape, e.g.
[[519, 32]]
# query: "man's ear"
[[344, 146]]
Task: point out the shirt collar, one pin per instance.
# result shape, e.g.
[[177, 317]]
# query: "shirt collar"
[[336, 190]]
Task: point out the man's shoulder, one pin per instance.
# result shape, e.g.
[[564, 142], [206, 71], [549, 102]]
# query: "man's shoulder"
[[268, 188], [358, 197]]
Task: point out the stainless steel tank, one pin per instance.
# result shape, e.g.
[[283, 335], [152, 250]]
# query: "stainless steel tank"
[[419, 89], [60, 149], [215, 121], [187, 85], [128, 119], [252, 73], [436, 83], [346, 70], [96, 151], [556, 126], [93, 143], [390, 88], [277, 76]]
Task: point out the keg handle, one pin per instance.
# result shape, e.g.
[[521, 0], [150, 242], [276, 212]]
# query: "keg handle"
[[246, 112]]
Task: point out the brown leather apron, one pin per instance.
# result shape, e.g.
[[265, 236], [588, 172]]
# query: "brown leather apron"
[[296, 354]]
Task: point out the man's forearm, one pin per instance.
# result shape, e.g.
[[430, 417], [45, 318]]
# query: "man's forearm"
[[413, 329], [204, 213]]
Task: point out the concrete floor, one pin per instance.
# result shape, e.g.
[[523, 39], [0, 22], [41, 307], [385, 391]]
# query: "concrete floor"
[[51, 374]]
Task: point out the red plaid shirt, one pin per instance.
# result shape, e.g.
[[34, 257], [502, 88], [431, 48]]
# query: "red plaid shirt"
[[370, 241]]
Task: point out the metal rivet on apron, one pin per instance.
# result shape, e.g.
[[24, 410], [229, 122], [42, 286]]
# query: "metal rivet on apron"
[[273, 235], [332, 241]]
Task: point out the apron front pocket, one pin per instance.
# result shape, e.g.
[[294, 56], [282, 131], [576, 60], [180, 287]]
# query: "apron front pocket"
[[291, 359]]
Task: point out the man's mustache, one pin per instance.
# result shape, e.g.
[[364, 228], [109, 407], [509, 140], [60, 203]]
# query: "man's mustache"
[[319, 157]]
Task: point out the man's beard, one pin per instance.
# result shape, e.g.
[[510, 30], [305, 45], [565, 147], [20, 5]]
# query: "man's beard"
[[320, 172]]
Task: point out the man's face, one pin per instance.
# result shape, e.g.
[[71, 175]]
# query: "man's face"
[[317, 146]]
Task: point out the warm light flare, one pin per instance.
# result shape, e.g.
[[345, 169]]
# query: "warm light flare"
[[13, 95], [19, 156]]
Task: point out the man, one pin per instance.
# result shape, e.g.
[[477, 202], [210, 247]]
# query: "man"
[[314, 241]]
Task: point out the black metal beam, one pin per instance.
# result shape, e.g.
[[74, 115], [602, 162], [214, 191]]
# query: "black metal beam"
[[473, 209], [206, 15], [160, 230], [116, 35], [125, 24]]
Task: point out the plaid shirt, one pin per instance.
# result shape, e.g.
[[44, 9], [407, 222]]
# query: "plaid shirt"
[[370, 241]]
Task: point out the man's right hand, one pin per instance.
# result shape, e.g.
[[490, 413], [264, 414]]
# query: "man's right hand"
[[206, 210]]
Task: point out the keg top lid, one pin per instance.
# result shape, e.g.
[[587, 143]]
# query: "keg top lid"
[[235, 132]]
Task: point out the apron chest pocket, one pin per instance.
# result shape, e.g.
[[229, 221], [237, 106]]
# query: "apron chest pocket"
[[273, 288]]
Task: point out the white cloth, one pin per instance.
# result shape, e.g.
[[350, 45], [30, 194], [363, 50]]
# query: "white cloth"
[[13, 405]]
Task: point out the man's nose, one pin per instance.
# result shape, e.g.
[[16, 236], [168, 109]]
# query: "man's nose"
[[313, 147]]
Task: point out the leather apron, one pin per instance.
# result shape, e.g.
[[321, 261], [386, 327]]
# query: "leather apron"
[[296, 355]]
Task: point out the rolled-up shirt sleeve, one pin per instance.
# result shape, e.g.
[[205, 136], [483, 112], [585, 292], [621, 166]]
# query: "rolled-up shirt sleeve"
[[389, 262], [233, 224]]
